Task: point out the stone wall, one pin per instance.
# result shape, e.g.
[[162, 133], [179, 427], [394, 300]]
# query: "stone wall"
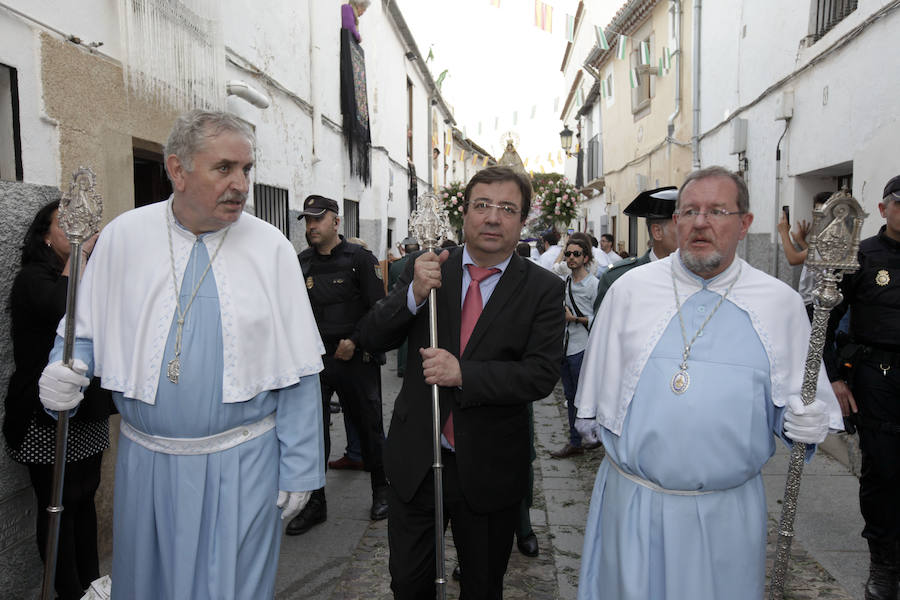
[[20, 567]]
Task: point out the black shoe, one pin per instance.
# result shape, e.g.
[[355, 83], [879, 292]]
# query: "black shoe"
[[528, 545], [315, 512], [379, 508], [567, 451], [591, 445], [457, 574], [883, 571]]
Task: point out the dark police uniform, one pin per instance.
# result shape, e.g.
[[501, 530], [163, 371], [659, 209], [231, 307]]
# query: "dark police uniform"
[[654, 205], [872, 295], [342, 287]]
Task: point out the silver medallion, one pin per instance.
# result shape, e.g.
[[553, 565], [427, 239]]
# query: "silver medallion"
[[680, 382], [173, 369]]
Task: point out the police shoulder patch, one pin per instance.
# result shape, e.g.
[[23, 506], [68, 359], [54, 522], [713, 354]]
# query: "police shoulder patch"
[[378, 272]]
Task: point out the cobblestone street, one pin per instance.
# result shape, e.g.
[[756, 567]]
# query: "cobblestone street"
[[562, 495]]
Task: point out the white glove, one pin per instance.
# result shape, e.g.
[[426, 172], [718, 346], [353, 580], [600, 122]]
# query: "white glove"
[[292, 503], [587, 428], [806, 423], [60, 386]]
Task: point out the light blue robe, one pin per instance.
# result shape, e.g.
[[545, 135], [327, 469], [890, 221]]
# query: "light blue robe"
[[641, 544], [198, 527]]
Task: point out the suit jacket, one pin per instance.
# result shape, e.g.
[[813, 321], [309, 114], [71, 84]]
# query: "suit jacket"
[[511, 359]]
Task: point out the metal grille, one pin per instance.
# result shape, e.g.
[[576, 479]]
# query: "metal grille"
[[351, 218], [272, 206], [594, 158], [829, 13]]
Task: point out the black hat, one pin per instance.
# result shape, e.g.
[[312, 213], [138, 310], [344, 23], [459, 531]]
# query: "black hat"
[[654, 204], [315, 206], [892, 187]]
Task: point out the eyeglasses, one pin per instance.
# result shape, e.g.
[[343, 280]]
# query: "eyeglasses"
[[713, 214], [575, 253], [481, 207]]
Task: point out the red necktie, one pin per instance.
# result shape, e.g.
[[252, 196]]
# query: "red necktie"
[[471, 310]]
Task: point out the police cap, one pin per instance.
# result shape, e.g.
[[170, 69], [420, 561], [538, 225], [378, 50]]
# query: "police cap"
[[315, 206], [892, 188], [654, 204]]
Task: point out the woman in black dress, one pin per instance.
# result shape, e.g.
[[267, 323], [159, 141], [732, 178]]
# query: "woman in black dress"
[[37, 303]]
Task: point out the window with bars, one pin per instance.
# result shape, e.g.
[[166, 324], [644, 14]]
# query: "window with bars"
[[828, 13], [351, 218], [271, 205]]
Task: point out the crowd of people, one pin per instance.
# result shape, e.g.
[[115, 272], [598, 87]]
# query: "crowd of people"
[[222, 350]]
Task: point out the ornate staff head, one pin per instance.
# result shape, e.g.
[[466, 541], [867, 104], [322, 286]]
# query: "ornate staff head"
[[429, 222], [81, 207], [834, 242]]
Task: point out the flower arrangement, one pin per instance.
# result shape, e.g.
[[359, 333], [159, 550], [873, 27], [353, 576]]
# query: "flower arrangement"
[[452, 197], [559, 200]]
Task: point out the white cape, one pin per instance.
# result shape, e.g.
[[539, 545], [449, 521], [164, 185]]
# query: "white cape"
[[639, 306], [127, 303]]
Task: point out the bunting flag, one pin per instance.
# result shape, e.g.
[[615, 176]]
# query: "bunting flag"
[[620, 51], [645, 53], [579, 96], [559, 157], [633, 78], [495, 3], [525, 164], [570, 28], [601, 38], [474, 159], [550, 157], [462, 155], [434, 142], [484, 162], [542, 169], [515, 117], [447, 148], [543, 16], [496, 123], [661, 67], [479, 127], [604, 91], [668, 55]]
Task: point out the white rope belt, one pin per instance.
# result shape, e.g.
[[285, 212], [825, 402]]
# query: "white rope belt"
[[201, 445], [656, 488]]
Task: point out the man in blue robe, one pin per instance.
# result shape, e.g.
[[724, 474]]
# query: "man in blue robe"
[[195, 316], [695, 361]]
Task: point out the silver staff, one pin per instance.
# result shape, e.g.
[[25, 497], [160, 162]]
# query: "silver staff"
[[832, 252], [430, 225], [79, 217]]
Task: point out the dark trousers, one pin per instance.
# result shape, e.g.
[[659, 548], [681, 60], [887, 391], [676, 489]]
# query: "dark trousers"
[[878, 398], [570, 369], [358, 387], [483, 541], [77, 564]]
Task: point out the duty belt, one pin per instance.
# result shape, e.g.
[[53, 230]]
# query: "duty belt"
[[201, 445]]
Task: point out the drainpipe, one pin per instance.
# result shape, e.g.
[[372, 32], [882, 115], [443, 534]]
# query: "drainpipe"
[[695, 84], [775, 240], [316, 104], [670, 126]]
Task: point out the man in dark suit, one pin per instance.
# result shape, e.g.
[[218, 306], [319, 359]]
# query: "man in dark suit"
[[510, 357]]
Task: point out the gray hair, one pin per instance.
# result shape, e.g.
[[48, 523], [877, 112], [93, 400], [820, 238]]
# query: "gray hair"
[[361, 3], [193, 128], [743, 194]]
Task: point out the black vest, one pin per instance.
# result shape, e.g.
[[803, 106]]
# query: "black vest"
[[875, 294], [333, 284]]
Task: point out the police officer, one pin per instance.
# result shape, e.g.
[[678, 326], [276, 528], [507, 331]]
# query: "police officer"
[[410, 247], [657, 206], [344, 280], [870, 391]]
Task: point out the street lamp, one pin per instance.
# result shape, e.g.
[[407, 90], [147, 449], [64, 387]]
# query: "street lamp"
[[565, 138]]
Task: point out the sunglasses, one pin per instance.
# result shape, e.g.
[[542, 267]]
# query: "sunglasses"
[[575, 253]]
